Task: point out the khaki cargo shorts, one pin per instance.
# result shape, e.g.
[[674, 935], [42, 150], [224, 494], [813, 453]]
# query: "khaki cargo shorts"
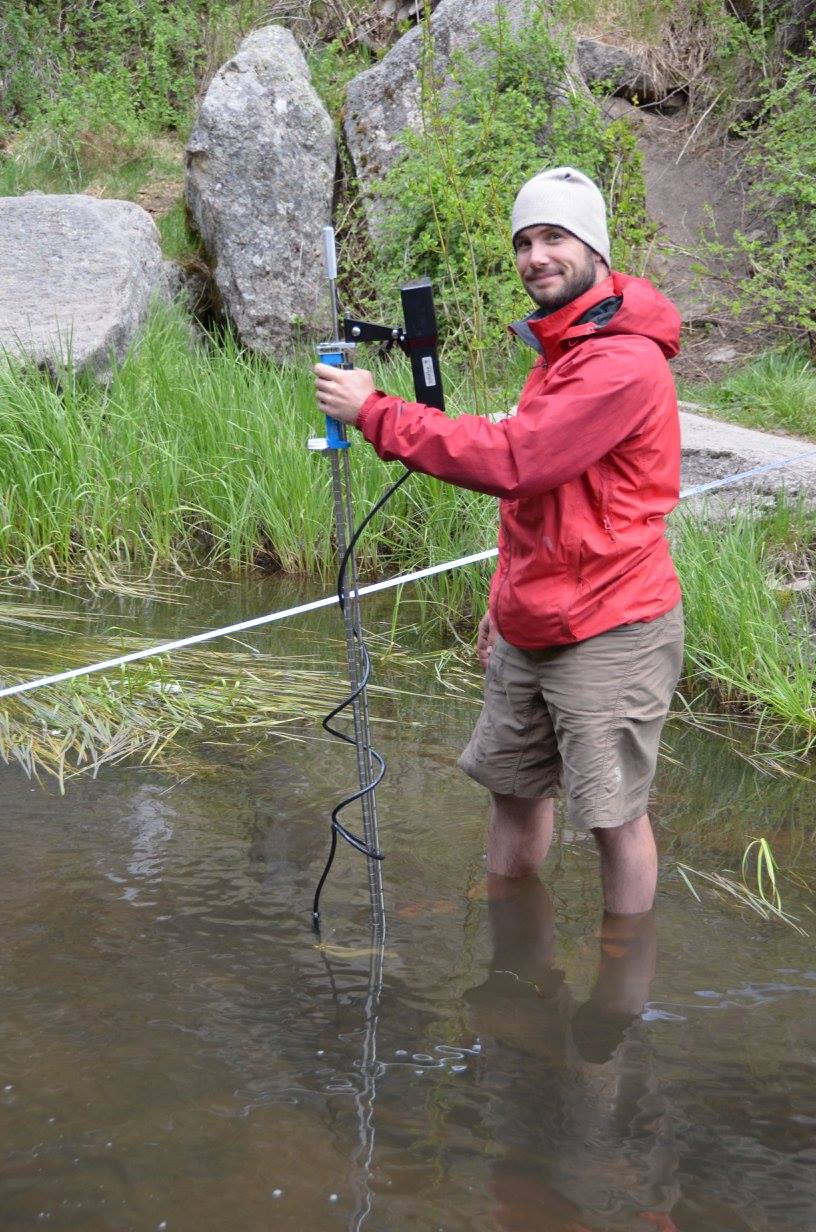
[[586, 716]]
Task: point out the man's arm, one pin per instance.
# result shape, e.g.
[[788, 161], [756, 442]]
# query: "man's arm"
[[596, 398]]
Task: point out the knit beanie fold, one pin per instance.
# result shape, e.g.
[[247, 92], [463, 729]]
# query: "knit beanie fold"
[[564, 198]]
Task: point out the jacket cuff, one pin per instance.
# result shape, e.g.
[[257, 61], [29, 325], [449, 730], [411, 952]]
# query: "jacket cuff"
[[367, 414]]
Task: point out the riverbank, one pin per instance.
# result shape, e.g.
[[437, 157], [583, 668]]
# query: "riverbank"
[[193, 457]]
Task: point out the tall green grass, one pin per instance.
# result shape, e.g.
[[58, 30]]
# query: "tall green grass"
[[749, 628], [775, 390], [197, 454]]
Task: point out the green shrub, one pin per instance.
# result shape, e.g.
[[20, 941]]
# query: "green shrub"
[[84, 60], [781, 155], [98, 95], [447, 202], [332, 67]]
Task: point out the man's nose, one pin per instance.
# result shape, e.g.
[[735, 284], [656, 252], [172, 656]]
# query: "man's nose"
[[540, 253]]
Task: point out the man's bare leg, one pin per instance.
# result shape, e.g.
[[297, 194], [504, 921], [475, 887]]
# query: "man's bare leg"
[[519, 835], [628, 866]]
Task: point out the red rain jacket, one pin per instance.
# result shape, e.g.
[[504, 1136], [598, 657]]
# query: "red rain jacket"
[[586, 470]]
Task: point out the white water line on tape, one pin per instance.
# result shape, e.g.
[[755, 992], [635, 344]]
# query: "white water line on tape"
[[257, 622]]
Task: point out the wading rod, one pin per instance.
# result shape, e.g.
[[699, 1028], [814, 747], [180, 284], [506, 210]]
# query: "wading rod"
[[339, 353]]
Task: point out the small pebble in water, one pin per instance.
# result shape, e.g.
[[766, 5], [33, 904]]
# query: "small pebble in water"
[[277, 1193]]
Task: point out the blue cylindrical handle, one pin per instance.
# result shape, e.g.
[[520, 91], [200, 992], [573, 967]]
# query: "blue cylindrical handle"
[[335, 430]]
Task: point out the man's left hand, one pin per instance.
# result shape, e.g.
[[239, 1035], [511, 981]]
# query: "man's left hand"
[[342, 391]]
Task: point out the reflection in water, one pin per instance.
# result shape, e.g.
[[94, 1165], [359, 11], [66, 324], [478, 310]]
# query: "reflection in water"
[[152, 815], [586, 1137], [364, 1100], [173, 1053], [363, 1085]]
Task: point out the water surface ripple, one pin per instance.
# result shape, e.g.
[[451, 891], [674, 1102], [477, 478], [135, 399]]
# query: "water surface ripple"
[[179, 1051]]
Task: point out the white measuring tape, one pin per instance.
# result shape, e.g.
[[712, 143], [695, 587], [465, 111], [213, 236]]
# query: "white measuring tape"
[[257, 622]]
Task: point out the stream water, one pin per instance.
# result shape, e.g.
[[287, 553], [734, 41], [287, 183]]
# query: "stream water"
[[179, 1051]]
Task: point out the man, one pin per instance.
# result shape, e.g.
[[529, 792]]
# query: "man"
[[583, 639]]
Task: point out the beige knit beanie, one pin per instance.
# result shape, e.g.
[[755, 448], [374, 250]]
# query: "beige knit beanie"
[[564, 198]]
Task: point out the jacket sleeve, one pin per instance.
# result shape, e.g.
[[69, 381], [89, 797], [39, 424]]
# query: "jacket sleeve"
[[598, 395]]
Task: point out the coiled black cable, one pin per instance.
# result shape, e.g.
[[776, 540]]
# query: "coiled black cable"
[[336, 825]]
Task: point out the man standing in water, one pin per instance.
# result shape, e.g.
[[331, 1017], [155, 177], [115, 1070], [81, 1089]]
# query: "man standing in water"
[[583, 640]]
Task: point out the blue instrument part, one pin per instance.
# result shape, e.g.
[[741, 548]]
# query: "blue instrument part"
[[335, 430]]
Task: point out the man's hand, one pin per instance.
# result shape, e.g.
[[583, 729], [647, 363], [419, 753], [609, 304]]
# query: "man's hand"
[[486, 639], [342, 391]]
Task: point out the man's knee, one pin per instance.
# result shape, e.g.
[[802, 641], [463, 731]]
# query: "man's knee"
[[613, 838], [521, 810]]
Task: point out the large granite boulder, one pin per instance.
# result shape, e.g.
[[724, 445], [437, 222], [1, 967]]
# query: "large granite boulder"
[[385, 100], [77, 276], [260, 179]]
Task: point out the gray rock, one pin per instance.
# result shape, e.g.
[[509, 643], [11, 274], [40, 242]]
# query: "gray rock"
[[77, 276], [629, 75], [618, 69], [385, 100], [722, 355], [260, 178]]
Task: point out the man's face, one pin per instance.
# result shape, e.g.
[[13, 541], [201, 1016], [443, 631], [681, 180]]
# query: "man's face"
[[555, 266]]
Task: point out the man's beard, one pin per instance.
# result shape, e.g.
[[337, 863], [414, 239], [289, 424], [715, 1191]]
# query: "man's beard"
[[568, 289]]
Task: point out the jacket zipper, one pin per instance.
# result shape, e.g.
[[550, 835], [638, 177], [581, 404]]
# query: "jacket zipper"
[[501, 588], [605, 522]]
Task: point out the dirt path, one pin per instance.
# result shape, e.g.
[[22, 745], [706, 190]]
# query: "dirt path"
[[713, 449]]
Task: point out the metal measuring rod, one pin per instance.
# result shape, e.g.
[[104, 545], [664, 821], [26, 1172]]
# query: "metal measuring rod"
[[340, 353]]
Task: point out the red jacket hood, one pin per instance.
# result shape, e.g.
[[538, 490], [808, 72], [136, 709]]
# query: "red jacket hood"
[[641, 310]]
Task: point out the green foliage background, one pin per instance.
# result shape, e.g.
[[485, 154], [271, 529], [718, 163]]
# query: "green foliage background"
[[498, 120], [133, 63], [780, 288], [98, 95]]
